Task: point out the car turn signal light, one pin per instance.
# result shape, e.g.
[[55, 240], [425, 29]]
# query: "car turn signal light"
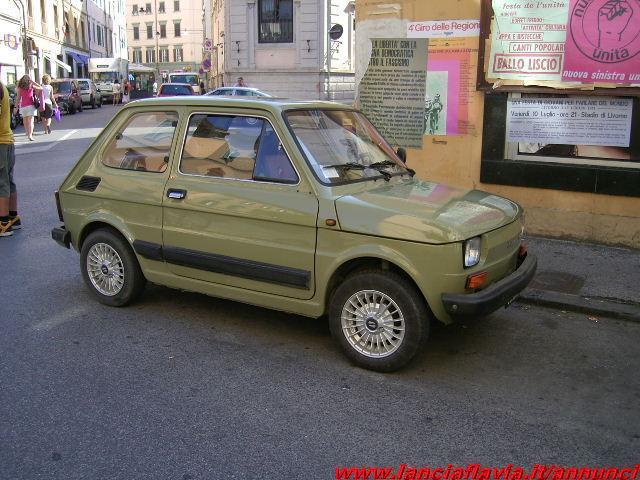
[[476, 280]]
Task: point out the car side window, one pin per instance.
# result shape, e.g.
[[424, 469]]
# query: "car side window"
[[272, 162], [244, 93], [144, 143], [221, 146]]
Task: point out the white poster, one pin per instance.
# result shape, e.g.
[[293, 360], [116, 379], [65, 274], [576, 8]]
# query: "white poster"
[[444, 29], [601, 121]]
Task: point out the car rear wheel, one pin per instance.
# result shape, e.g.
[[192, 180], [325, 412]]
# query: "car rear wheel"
[[379, 319], [110, 269]]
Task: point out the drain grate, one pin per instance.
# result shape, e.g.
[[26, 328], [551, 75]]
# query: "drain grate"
[[557, 282]]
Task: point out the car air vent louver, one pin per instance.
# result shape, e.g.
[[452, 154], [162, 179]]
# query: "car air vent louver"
[[88, 184]]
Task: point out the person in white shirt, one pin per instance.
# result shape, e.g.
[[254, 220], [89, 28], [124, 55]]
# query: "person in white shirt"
[[49, 102], [116, 92], [155, 88]]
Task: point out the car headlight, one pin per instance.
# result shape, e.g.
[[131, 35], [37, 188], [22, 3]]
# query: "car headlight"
[[472, 252]]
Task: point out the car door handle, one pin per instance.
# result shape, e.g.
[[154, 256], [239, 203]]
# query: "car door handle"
[[176, 193]]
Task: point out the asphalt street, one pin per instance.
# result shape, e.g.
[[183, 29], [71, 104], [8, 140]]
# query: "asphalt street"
[[183, 386]]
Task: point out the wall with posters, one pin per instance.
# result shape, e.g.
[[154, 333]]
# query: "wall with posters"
[[576, 184]]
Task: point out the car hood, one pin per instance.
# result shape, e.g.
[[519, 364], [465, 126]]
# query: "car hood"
[[424, 212]]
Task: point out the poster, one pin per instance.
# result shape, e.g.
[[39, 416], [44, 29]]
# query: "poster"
[[603, 41], [444, 29], [392, 91], [451, 100], [604, 121], [527, 39], [452, 103]]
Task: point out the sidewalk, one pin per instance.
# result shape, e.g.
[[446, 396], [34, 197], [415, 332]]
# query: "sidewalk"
[[584, 277]]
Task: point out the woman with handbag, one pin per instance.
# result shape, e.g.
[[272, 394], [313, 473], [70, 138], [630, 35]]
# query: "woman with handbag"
[[49, 102], [28, 103]]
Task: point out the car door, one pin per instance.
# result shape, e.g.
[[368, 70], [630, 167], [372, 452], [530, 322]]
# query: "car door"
[[236, 212]]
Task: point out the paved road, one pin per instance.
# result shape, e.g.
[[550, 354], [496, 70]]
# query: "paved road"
[[182, 386]]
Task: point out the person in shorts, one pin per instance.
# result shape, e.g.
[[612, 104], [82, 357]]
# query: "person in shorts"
[[9, 218], [49, 102], [26, 91], [116, 92]]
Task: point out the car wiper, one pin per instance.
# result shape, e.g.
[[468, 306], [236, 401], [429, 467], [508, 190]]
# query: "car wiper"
[[382, 164], [346, 166]]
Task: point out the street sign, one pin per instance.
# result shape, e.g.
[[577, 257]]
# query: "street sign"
[[208, 44]]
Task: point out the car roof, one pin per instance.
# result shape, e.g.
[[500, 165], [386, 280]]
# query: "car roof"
[[176, 83], [272, 104]]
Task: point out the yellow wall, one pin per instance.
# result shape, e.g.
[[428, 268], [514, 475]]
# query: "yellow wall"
[[456, 159]]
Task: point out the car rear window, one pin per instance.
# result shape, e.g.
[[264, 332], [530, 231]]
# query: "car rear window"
[[83, 85], [175, 90]]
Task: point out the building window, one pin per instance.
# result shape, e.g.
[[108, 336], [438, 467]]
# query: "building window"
[[136, 55], [150, 55], [149, 31], [55, 19], [82, 30], [163, 30], [148, 8], [161, 7], [176, 29], [43, 11], [275, 21], [177, 54], [136, 32], [163, 53], [135, 9], [176, 5]]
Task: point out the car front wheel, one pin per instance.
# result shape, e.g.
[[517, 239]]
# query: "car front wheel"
[[379, 319], [110, 269]]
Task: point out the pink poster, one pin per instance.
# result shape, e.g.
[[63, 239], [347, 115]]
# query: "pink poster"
[[603, 42]]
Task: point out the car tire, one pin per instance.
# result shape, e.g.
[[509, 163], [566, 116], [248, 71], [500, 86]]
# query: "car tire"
[[100, 103], [110, 269], [80, 107], [386, 335]]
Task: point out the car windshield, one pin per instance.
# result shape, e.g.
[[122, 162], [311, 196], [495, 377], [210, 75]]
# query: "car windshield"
[[190, 79], [104, 77], [61, 87], [175, 90], [343, 146]]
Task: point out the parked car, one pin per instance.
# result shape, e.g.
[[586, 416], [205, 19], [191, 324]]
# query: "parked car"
[[297, 206], [238, 91], [67, 95], [174, 89], [89, 93]]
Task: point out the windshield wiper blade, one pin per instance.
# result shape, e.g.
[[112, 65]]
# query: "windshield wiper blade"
[[346, 166], [382, 164]]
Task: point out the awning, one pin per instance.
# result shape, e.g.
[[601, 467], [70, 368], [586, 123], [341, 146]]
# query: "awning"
[[78, 57], [53, 58], [138, 68]]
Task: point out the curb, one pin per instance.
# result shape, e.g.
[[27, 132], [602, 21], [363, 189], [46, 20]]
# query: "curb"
[[576, 303]]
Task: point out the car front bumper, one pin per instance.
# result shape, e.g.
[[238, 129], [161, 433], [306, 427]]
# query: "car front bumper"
[[62, 236], [497, 295]]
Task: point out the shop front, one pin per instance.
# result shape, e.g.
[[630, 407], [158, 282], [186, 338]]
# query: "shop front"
[[536, 101]]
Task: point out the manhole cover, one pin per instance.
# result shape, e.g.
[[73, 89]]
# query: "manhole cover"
[[557, 282]]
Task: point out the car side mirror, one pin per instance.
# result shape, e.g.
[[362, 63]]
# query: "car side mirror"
[[402, 154]]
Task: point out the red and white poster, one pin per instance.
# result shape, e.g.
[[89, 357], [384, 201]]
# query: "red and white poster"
[[603, 42]]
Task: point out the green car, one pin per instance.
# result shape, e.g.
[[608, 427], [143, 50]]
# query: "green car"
[[297, 206]]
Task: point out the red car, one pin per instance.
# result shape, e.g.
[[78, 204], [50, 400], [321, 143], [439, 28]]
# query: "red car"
[[175, 89]]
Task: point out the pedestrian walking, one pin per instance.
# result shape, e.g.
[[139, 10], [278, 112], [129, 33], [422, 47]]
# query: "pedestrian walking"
[[9, 218], [28, 103], [49, 102], [116, 92], [202, 92], [155, 88], [126, 88]]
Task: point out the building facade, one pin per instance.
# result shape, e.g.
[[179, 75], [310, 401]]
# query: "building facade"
[[284, 47], [582, 184], [166, 35], [61, 36]]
